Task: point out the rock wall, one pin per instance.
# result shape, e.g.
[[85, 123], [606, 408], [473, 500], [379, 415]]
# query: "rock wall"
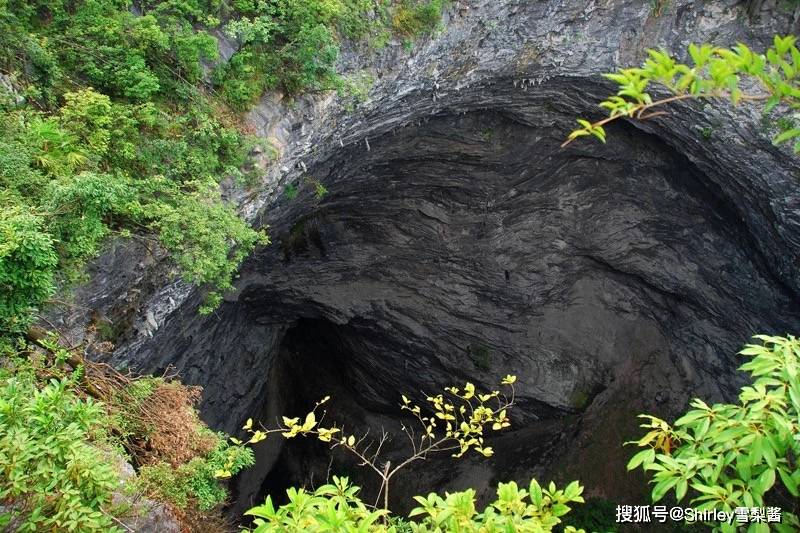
[[458, 241]]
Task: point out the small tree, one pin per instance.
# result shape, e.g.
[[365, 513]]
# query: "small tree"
[[452, 422]]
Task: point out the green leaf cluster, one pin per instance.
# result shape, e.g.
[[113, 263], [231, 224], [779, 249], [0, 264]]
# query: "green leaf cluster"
[[413, 18], [726, 456], [27, 265], [94, 167], [333, 507], [54, 475], [291, 45], [538, 509], [336, 507], [714, 72]]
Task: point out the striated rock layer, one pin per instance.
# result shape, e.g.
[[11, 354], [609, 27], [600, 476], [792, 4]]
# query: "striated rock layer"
[[459, 242]]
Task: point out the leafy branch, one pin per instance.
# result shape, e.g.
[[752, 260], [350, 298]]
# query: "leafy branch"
[[715, 73], [727, 456]]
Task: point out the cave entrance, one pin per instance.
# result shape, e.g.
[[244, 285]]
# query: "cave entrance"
[[318, 358], [611, 279], [314, 360]]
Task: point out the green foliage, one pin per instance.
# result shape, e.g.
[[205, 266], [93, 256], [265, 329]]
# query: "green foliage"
[[53, 475], [289, 45], [77, 210], [196, 482], [331, 508], [417, 17], [200, 231], [58, 448], [109, 47], [714, 73], [27, 264], [336, 507], [320, 190], [137, 152], [354, 21], [733, 455], [515, 509], [293, 45], [355, 89]]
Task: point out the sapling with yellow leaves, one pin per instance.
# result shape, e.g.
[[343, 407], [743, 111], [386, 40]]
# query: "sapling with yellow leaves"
[[455, 421]]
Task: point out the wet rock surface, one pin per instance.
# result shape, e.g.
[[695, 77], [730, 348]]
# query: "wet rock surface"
[[458, 241]]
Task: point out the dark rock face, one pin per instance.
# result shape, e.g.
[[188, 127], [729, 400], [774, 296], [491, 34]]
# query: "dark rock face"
[[472, 246], [477, 231], [459, 242]]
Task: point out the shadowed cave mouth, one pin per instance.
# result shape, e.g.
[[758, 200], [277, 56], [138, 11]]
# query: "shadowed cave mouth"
[[611, 279], [315, 360]]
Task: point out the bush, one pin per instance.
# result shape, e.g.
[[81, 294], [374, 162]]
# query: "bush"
[[196, 482], [288, 44], [27, 264], [726, 456], [337, 507], [52, 475], [417, 17]]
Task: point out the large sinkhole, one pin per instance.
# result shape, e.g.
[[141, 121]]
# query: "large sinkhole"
[[611, 279]]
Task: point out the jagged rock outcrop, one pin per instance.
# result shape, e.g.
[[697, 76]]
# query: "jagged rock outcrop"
[[458, 241]]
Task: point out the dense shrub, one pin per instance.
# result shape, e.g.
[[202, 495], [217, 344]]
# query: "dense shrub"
[[289, 45], [53, 475], [415, 17], [27, 264], [197, 481], [65, 430]]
